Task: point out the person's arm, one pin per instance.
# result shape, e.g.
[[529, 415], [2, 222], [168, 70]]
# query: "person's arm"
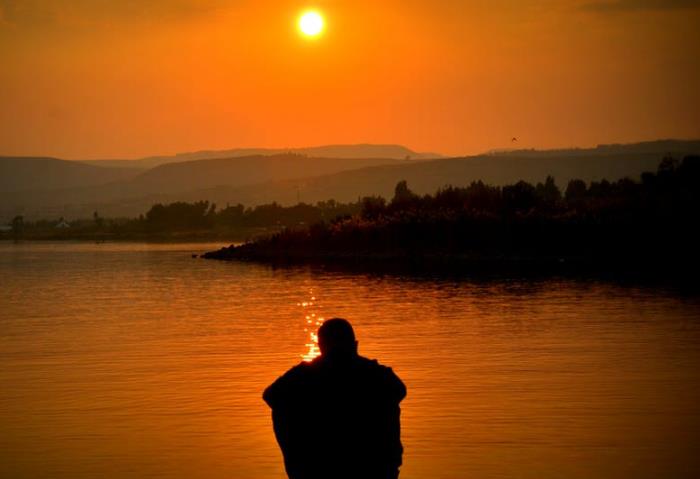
[[396, 387], [397, 392], [279, 391], [279, 396], [271, 394]]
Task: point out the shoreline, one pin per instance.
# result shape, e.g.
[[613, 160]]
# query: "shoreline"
[[189, 237], [444, 264]]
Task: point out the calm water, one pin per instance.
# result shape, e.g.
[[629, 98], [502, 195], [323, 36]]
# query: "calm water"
[[126, 360]]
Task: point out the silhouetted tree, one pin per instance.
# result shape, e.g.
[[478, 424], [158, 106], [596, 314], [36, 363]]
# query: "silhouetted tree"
[[403, 196], [599, 189], [98, 220], [667, 166], [17, 225], [180, 215], [576, 190], [653, 221], [231, 215], [373, 207], [548, 193], [483, 197], [521, 196]]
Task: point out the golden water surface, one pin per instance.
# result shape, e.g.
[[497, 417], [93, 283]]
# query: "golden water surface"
[[137, 361]]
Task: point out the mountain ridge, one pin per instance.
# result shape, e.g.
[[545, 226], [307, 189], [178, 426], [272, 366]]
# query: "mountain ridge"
[[340, 151], [31, 173], [263, 179]]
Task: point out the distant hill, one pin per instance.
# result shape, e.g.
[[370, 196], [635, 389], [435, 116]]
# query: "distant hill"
[[427, 176], [233, 172], [657, 147], [165, 181], [289, 178], [396, 152], [29, 173], [604, 162]]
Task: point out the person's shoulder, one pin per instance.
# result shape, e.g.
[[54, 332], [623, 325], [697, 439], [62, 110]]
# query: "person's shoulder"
[[300, 368], [286, 383], [297, 372], [372, 364], [375, 367], [385, 375]]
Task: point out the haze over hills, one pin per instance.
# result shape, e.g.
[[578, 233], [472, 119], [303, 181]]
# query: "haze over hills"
[[669, 147], [290, 178], [396, 152], [30, 173], [190, 175], [62, 197], [428, 176]]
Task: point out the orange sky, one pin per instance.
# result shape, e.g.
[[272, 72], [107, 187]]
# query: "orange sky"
[[120, 79]]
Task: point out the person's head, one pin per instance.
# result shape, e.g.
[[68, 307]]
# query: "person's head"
[[336, 338]]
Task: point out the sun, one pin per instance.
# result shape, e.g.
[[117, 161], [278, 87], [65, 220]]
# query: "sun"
[[311, 23]]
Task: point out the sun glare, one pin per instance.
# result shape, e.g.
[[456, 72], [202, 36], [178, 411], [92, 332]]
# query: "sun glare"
[[311, 23]]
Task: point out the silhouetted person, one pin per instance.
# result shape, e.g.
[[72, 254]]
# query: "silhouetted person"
[[337, 417]]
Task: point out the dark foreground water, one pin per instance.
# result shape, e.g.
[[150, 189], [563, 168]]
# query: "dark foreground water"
[[137, 361]]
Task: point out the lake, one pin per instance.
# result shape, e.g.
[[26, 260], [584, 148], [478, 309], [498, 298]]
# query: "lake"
[[138, 361]]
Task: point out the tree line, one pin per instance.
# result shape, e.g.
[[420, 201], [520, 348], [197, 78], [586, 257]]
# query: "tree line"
[[201, 217], [599, 217], [651, 219]]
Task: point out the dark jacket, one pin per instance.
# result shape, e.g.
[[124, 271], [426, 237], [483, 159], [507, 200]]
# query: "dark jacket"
[[338, 419]]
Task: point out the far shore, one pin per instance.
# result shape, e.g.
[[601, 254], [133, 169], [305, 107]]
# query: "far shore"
[[473, 263], [165, 237]]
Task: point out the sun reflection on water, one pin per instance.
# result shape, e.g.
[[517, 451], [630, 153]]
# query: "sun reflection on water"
[[312, 321]]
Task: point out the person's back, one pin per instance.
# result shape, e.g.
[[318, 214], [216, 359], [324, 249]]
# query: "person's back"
[[338, 416]]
